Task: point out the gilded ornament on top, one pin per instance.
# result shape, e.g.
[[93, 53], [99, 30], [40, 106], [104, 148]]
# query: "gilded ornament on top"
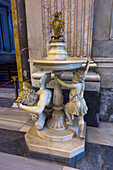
[[57, 25]]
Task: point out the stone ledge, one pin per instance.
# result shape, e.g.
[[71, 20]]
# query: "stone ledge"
[[104, 62], [91, 76]]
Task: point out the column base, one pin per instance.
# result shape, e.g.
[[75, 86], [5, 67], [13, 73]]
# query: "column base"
[[57, 122]]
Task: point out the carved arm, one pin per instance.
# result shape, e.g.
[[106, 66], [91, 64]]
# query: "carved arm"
[[87, 66], [33, 109], [68, 85]]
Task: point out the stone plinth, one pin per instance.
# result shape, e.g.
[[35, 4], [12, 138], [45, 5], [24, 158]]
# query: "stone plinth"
[[67, 134], [68, 149]]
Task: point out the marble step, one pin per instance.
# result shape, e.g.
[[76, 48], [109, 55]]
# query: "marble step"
[[12, 162], [7, 93], [13, 118], [7, 97], [98, 157], [19, 120]]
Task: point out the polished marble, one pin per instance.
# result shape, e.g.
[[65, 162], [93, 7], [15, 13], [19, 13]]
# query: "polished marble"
[[6, 102], [98, 157], [7, 92], [25, 128], [102, 135], [13, 118], [68, 168], [16, 163]]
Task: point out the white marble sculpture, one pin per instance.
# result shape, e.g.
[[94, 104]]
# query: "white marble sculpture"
[[35, 102], [55, 135], [58, 61], [76, 105]]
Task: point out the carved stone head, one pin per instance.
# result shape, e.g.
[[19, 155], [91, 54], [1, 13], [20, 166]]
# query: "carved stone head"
[[27, 97], [78, 76]]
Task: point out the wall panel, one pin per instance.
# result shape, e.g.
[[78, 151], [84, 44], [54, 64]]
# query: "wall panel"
[[78, 16]]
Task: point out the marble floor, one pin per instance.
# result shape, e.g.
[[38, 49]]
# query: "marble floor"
[[14, 121], [12, 162], [19, 120]]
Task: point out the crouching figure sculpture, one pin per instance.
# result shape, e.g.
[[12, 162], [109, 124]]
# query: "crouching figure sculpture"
[[35, 102], [76, 105]]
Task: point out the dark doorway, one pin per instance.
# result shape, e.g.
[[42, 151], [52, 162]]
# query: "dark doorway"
[[7, 49]]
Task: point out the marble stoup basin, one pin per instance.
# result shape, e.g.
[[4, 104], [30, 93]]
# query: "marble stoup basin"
[[59, 65]]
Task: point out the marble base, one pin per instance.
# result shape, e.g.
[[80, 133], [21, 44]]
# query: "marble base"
[[59, 136], [68, 149]]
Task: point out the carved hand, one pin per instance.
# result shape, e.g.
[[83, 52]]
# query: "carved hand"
[[55, 77], [88, 58]]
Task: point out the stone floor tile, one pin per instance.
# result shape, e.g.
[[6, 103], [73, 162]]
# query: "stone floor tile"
[[12, 162], [13, 118], [101, 135], [4, 109], [11, 125], [25, 128], [7, 92], [69, 168]]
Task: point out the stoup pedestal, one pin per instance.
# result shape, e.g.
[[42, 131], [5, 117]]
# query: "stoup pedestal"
[[57, 139]]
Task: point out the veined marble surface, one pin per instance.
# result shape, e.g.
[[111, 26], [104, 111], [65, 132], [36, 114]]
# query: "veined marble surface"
[[7, 93], [16, 119], [102, 135], [13, 118], [98, 157], [12, 162]]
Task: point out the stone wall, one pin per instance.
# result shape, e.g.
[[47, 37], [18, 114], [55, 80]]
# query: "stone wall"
[[102, 54], [34, 30], [106, 105], [102, 49]]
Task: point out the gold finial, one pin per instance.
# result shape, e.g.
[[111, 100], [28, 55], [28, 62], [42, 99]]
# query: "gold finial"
[[57, 25]]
